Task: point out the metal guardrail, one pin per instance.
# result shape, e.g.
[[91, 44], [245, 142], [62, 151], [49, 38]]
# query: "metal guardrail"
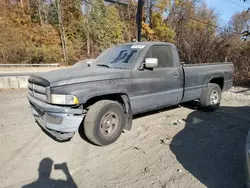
[[30, 65]]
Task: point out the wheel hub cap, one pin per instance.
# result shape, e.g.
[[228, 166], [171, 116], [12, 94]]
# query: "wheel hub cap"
[[109, 123], [214, 97]]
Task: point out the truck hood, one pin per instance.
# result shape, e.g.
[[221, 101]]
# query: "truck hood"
[[80, 74]]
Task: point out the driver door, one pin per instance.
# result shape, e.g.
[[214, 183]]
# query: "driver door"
[[158, 87]]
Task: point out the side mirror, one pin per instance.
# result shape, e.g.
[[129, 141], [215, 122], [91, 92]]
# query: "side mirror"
[[151, 62]]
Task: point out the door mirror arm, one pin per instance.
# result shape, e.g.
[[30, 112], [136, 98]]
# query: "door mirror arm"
[[142, 67]]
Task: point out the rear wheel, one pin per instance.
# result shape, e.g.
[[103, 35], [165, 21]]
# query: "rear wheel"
[[211, 98], [104, 122]]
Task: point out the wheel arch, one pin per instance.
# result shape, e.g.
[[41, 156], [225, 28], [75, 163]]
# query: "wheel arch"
[[218, 80], [121, 98]]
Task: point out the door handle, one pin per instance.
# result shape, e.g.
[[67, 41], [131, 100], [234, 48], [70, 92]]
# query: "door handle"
[[175, 74]]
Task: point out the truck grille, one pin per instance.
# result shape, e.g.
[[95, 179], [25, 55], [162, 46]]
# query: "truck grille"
[[38, 91]]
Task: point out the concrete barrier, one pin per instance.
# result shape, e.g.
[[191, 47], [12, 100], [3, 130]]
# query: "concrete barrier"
[[17, 77], [14, 82], [11, 70]]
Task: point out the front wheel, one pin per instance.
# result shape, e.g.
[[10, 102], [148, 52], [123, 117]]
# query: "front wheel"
[[211, 98], [104, 122]]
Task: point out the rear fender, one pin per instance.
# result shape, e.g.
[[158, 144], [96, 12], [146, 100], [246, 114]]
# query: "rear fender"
[[214, 76]]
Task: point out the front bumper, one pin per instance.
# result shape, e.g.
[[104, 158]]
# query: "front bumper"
[[60, 122], [247, 160]]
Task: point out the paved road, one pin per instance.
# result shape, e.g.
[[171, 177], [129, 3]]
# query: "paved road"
[[177, 147]]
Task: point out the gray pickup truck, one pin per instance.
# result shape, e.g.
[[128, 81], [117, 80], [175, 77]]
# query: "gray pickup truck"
[[124, 80]]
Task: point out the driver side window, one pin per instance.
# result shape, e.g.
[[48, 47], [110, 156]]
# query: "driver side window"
[[163, 54]]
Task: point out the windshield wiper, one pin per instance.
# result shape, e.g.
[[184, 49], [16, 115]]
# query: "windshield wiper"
[[103, 65]]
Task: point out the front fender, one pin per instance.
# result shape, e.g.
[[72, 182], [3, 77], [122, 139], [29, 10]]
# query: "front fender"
[[129, 115], [83, 97]]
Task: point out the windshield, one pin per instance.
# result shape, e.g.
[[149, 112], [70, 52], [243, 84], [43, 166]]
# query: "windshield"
[[118, 56]]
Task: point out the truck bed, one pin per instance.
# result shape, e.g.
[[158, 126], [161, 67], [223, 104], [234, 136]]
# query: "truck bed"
[[197, 77], [205, 64]]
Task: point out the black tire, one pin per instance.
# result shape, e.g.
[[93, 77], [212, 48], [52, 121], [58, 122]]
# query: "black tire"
[[94, 128], [205, 101]]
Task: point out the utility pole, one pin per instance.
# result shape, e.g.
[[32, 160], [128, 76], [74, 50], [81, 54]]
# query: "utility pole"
[[139, 18], [140, 6]]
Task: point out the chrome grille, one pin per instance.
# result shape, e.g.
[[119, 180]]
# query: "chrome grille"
[[37, 91]]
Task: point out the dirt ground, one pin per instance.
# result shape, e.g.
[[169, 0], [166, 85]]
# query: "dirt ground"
[[176, 147]]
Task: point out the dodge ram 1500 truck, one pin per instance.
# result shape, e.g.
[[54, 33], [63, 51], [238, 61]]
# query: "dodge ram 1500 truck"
[[104, 94]]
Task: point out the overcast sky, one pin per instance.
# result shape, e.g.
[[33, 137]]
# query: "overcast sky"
[[226, 8]]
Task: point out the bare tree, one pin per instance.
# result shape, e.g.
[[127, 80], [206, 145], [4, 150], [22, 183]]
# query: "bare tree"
[[40, 8], [87, 11], [62, 31]]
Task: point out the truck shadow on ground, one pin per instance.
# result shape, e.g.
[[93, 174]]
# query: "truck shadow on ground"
[[44, 180], [213, 146]]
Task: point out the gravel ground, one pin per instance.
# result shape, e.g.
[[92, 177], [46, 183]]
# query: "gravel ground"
[[171, 148]]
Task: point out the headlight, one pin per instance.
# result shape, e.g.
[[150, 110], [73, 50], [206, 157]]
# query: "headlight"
[[64, 99]]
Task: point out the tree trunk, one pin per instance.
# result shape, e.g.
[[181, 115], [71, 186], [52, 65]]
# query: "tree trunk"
[[45, 12], [21, 3], [40, 11], [62, 32], [88, 30], [129, 25], [88, 45]]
